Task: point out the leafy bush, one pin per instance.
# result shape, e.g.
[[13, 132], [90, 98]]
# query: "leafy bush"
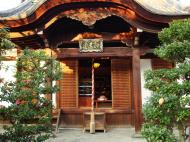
[[166, 108], [5, 42], [157, 133], [30, 98]]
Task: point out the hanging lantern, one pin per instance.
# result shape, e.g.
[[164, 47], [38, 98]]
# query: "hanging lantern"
[[96, 65]]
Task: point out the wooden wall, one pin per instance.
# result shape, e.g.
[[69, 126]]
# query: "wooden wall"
[[119, 119], [120, 115], [74, 118], [68, 94], [160, 64], [121, 73], [71, 120], [121, 83]]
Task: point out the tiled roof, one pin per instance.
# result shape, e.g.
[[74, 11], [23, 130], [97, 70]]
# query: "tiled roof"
[[164, 7], [161, 7], [23, 10]]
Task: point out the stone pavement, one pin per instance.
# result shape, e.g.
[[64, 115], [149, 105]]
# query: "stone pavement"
[[112, 135]]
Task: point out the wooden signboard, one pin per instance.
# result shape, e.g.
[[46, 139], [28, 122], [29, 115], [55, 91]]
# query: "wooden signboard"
[[91, 45]]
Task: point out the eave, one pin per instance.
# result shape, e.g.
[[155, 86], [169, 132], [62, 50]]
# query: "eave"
[[28, 23]]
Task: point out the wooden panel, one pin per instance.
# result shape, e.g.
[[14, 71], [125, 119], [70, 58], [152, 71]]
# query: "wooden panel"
[[118, 119], [71, 120], [68, 93], [159, 64], [112, 119], [121, 83], [85, 101]]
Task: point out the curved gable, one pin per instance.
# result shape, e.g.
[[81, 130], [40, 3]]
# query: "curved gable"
[[36, 14]]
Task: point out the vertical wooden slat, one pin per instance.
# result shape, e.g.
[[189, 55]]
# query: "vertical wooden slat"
[[77, 84], [121, 83], [68, 85]]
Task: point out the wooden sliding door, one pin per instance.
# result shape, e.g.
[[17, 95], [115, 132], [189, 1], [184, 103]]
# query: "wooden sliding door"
[[121, 83], [68, 94]]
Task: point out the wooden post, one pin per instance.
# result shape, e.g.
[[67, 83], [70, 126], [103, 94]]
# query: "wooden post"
[[92, 117], [137, 88], [181, 133]]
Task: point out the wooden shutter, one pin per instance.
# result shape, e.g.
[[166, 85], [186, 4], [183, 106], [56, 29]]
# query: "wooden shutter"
[[68, 94], [121, 83], [160, 64]]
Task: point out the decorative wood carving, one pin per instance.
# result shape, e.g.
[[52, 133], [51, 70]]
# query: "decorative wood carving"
[[87, 17], [126, 37], [86, 35]]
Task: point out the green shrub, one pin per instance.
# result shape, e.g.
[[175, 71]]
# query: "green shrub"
[[157, 133], [30, 98], [166, 108]]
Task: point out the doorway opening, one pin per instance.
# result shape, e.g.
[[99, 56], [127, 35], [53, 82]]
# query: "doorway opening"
[[102, 83]]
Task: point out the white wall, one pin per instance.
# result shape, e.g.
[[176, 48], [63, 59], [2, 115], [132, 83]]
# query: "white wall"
[[7, 73], [145, 65], [54, 102]]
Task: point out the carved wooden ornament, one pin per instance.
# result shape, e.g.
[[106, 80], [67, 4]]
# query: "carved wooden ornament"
[[88, 17]]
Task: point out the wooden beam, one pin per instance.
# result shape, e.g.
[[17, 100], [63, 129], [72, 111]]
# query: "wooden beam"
[[137, 88], [28, 45], [108, 52], [22, 34], [106, 110]]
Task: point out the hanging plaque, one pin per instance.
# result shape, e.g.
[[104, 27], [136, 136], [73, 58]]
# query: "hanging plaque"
[[91, 45]]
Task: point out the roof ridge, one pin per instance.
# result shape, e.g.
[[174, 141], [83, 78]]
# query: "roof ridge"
[[23, 10]]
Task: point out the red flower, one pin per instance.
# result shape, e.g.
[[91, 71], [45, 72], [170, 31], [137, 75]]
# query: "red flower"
[[18, 102]]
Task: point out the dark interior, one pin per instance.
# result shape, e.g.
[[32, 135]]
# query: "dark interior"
[[65, 29], [102, 78]]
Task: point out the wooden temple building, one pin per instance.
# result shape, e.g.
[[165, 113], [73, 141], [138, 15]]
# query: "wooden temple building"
[[126, 32]]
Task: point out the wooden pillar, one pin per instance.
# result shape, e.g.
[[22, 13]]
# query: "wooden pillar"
[[137, 88]]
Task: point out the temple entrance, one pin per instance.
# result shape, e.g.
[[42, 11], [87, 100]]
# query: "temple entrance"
[[102, 83]]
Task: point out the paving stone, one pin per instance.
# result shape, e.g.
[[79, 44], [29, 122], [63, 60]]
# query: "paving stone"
[[113, 135]]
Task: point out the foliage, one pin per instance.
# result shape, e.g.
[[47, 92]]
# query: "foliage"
[[30, 98], [5, 42], [166, 108], [157, 133]]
